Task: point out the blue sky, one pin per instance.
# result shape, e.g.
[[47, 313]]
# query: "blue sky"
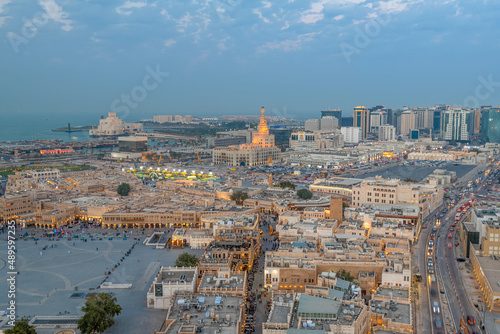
[[232, 56]]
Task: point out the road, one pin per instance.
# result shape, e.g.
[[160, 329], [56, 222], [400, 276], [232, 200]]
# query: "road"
[[459, 301]]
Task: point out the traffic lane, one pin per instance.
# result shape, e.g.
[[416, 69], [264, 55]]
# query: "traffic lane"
[[423, 288], [467, 307]]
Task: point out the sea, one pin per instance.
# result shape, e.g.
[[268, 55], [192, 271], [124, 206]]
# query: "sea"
[[20, 126]]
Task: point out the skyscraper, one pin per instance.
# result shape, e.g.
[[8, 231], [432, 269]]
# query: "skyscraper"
[[361, 119], [491, 125], [332, 112], [455, 124], [408, 122]]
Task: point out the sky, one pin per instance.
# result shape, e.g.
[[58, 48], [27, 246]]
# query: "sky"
[[216, 57]]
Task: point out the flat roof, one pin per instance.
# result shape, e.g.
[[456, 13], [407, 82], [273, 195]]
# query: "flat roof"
[[491, 270], [192, 310], [397, 312], [313, 304]]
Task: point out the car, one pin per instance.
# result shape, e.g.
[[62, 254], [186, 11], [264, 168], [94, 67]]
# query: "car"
[[449, 245], [470, 320], [460, 259], [435, 307], [439, 324]]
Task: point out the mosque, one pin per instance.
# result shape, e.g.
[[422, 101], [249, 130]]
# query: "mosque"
[[260, 152]]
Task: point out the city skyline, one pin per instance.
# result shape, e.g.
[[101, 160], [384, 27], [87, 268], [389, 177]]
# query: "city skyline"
[[231, 57]]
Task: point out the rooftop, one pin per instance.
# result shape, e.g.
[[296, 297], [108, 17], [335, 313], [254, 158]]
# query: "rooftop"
[[397, 312], [491, 269], [207, 313]]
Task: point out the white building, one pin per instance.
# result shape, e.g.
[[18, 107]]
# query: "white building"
[[329, 123], [455, 124], [387, 133], [311, 141], [377, 119], [167, 282], [352, 135], [113, 126], [312, 125], [408, 122]]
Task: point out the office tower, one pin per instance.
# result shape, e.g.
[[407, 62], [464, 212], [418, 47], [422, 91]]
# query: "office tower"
[[346, 121], [491, 125], [414, 134], [377, 119], [408, 122], [425, 118], [361, 119], [312, 124], [455, 124], [387, 133], [352, 135], [329, 123], [332, 112]]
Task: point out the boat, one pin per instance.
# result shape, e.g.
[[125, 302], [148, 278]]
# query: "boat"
[[74, 138]]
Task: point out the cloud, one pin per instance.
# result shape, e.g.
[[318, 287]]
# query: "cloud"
[[315, 13], [338, 17], [56, 13], [95, 39], [266, 4], [289, 44], [127, 5], [395, 6], [259, 14], [286, 26], [169, 42], [3, 19]]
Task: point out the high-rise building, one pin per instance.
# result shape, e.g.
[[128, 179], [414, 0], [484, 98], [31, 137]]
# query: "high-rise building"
[[329, 123], [491, 125], [352, 135], [312, 124], [377, 119], [425, 118], [387, 133], [332, 112], [361, 119], [455, 124], [346, 121], [408, 122]]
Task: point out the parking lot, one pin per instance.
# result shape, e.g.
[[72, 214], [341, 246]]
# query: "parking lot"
[[417, 172]]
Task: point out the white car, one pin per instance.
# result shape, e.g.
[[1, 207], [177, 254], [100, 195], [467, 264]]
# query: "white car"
[[435, 307]]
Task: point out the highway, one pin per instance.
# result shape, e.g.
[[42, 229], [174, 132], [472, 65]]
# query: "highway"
[[459, 302]]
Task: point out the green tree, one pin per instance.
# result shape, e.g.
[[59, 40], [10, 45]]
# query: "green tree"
[[345, 275], [21, 327], [99, 312], [304, 194], [286, 184], [186, 260], [410, 180], [123, 189], [239, 197]]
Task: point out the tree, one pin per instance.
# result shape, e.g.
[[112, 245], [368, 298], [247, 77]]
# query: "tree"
[[239, 197], [410, 180], [186, 260], [345, 275], [286, 184], [21, 327], [123, 189], [304, 194], [99, 312]]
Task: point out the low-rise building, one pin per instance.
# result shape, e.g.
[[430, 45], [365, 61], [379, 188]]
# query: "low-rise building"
[[167, 282]]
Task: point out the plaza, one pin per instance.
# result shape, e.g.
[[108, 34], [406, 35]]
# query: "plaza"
[[51, 280]]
